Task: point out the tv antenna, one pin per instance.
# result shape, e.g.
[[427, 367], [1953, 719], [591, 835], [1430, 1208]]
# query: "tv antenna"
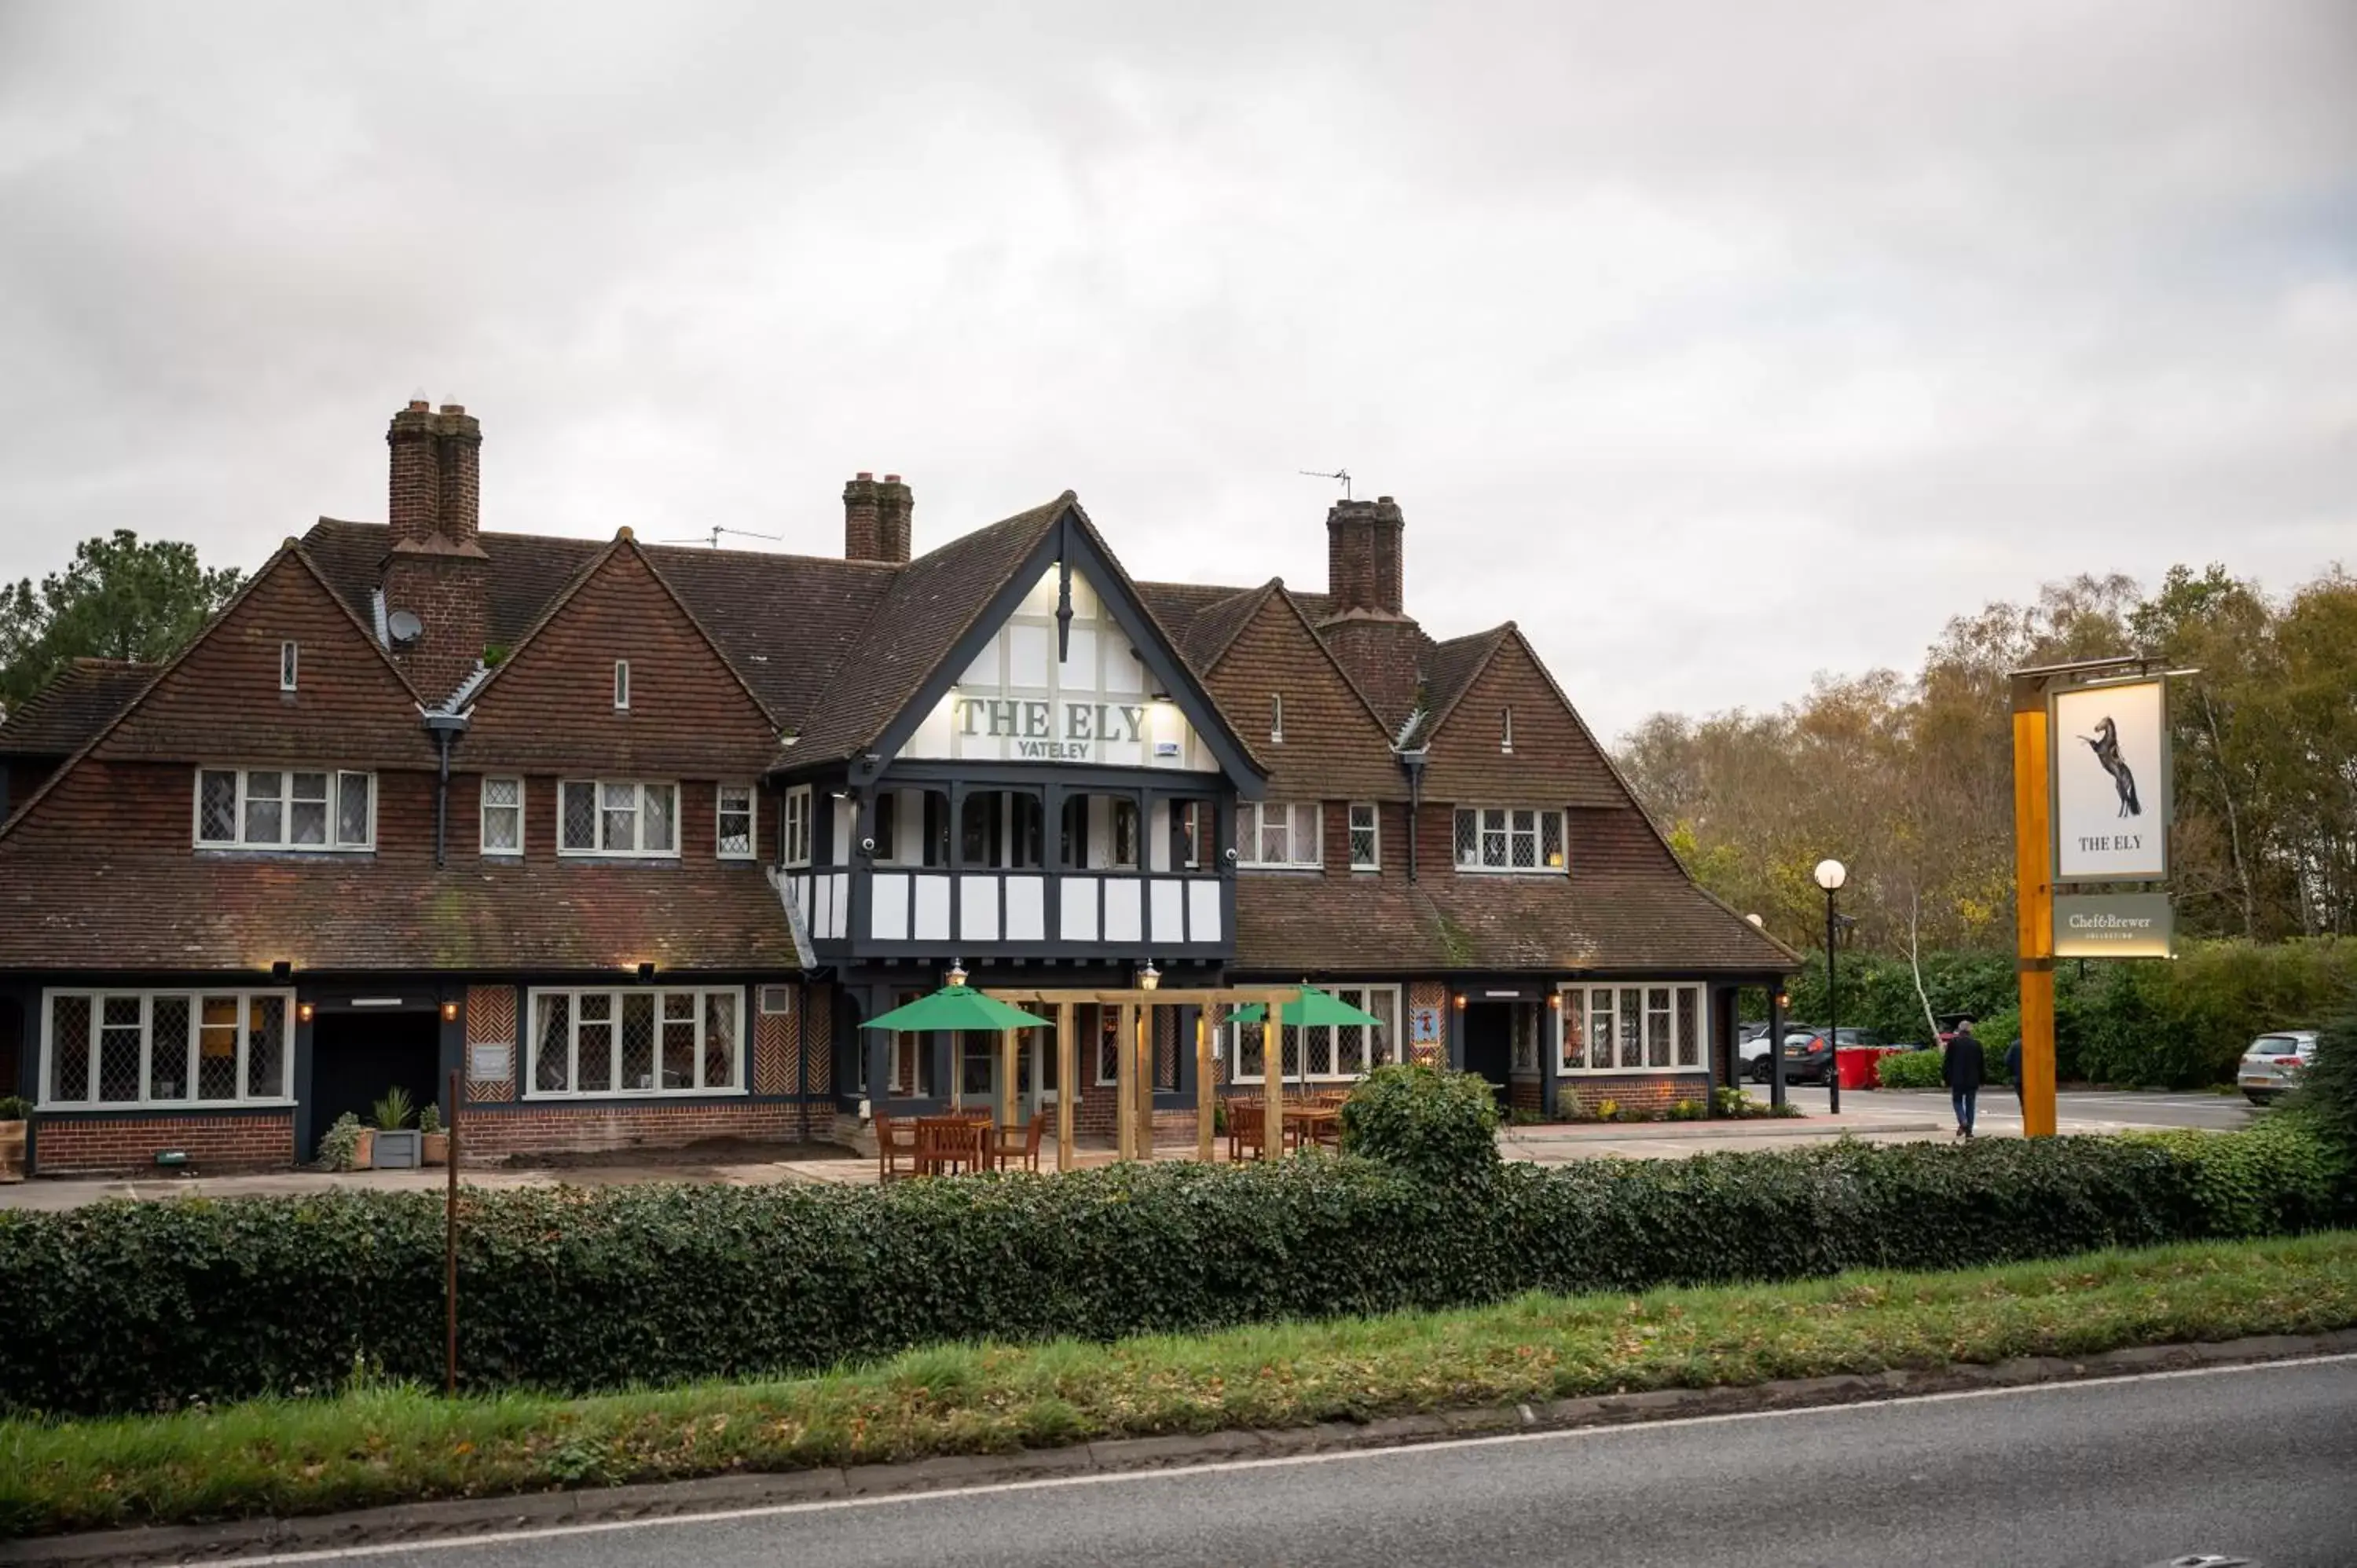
[[718, 530], [1342, 474]]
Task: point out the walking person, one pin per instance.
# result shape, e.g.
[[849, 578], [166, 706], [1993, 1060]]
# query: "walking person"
[[1964, 1067], [2013, 1071]]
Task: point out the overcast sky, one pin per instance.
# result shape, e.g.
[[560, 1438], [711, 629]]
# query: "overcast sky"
[[1714, 344]]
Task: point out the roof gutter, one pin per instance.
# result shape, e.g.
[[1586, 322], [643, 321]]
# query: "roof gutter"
[[445, 728]]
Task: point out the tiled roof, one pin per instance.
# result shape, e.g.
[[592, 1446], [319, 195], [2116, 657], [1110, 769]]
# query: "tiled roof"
[[786, 622], [932, 603], [88, 907], [1608, 924], [1450, 668], [1212, 629], [77, 702]]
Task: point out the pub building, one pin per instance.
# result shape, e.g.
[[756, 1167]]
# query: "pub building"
[[632, 837]]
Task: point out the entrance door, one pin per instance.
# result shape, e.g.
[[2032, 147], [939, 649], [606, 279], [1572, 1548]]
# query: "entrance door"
[[356, 1057], [1490, 1043]]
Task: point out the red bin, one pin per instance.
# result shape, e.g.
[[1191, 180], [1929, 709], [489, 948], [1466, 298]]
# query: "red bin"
[[1854, 1066]]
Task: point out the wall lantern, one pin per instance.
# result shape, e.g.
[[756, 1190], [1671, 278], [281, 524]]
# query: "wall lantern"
[[1783, 1000], [449, 1012], [282, 971], [1461, 1002], [646, 971], [1555, 1000], [956, 976], [303, 1011], [1149, 977]]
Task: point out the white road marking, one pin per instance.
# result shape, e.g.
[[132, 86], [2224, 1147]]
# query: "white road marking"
[[1224, 1466]]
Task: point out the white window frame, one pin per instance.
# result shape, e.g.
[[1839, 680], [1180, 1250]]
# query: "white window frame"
[[1575, 1009], [1478, 866], [1276, 718], [621, 685], [529, 1066], [752, 813], [484, 808], [290, 656], [1374, 832], [794, 833], [1249, 816], [1391, 1049], [333, 844], [196, 996], [639, 787], [1506, 731]]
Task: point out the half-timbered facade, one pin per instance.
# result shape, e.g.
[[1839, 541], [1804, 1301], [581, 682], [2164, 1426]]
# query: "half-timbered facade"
[[632, 837]]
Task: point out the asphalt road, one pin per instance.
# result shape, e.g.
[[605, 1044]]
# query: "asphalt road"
[[2123, 1107], [2261, 1461]]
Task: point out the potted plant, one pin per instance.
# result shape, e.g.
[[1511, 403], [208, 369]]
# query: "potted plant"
[[14, 1113], [433, 1144], [396, 1141], [346, 1145]]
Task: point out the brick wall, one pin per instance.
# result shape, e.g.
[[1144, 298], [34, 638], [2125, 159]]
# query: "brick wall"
[[67, 1146], [495, 1132], [1647, 1093]]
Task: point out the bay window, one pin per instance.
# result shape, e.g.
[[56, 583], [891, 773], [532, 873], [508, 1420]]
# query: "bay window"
[[1640, 1026], [1270, 834], [104, 1049], [1325, 1051], [278, 808], [636, 1041], [1509, 838], [608, 816]]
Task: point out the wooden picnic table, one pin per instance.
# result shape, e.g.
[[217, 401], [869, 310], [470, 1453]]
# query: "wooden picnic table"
[[954, 1145]]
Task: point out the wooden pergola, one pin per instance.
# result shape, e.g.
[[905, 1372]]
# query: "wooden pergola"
[[1133, 1070]]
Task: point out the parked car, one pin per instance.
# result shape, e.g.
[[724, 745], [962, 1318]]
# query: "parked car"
[[2274, 1064]]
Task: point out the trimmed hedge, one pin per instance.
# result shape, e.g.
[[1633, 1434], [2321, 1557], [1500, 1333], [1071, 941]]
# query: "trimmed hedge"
[[123, 1306]]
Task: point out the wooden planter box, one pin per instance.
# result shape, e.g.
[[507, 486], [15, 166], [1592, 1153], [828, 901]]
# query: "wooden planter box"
[[397, 1151], [435, 1147], [12, 1151]]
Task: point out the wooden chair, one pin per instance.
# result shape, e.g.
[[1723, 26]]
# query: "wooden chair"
[[950, 1146], [1008, 1144], [894, 1137], [1247, 1128]]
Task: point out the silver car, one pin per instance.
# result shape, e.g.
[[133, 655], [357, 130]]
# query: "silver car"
[[2274, 1063]]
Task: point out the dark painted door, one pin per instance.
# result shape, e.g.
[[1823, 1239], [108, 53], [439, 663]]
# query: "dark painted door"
[[1489, 1041], [356, 1057]]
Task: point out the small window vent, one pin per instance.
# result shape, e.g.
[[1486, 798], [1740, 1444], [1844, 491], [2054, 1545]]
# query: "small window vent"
[[621, 685], [777, 1000], [289, 657]]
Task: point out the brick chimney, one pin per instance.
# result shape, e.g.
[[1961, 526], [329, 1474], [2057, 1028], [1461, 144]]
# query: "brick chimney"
[[896, 506], [436, 568], [875, 525], [1366, 622], [1363, 571]]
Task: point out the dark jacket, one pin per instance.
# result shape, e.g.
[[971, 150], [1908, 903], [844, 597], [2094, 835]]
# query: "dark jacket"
[[1965, 1066], [2013, 1063]]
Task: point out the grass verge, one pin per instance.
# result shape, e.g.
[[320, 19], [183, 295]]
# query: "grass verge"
[[397, 1444]]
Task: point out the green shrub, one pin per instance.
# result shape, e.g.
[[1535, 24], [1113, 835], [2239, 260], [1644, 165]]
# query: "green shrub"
[[2326, 1100], [393, 1111], [14, 1108], [1438, 1123], [1910, 1069], [339, 1145], [121, 1306]]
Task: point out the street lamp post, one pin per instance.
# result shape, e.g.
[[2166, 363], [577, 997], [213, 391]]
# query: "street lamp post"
[[1830, 874]]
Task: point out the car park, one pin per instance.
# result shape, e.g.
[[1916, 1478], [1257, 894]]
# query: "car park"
[[2274, 1064]]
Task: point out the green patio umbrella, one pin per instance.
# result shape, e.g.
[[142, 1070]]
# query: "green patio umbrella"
[[955, 1007], [1312, 1009]]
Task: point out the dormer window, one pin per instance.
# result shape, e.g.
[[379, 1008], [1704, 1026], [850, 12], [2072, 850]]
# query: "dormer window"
[[621, 685], [289, 655]]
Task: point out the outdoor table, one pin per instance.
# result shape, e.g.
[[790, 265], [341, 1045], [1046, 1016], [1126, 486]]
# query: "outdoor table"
[[947, 1144], [1311, 1123]]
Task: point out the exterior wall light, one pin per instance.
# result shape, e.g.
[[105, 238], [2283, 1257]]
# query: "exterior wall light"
[[1149, 977], [282, 970], [1461, 1002], [303, 1011], [1555, 1000], [956, 975], [646, 971], [449, 1012]]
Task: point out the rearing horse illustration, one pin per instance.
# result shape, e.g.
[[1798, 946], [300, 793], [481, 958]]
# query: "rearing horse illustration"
[[2105, 744]]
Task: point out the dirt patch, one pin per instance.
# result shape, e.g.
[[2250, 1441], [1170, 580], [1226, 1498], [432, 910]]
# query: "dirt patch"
[[704, 1153]]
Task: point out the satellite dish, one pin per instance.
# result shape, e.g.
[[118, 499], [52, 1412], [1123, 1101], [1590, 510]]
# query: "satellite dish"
[[405, 626]]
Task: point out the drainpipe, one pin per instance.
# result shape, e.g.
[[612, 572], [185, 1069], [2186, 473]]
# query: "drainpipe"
[[445, 728], [1414, 762]]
